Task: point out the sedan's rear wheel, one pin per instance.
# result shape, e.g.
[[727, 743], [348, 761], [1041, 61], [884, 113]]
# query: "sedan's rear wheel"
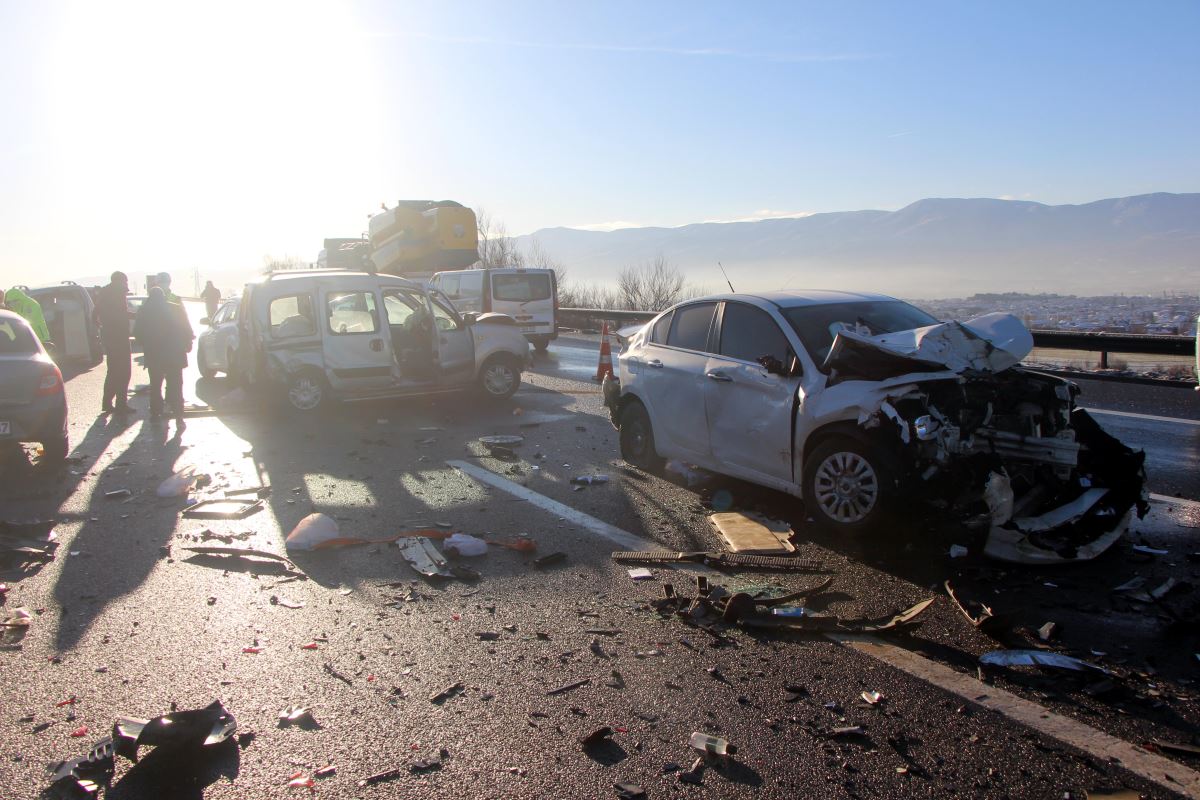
[[637, 439], [848, 486]]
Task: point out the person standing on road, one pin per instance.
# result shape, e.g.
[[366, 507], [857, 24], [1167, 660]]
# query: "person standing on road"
[[113, 314], [163, 330], [212, 298], [164, 283], [21, 303]]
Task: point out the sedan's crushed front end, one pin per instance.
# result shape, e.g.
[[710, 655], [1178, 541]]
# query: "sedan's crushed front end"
[[1055, 486]]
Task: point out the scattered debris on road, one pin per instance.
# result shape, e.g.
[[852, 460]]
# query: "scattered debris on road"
[[225, 508], [179, 731], [1037, 658]]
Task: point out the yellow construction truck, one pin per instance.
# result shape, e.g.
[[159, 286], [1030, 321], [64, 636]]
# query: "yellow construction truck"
[[414, 239]]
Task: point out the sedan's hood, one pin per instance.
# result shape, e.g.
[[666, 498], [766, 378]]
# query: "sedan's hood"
[[991, 343]]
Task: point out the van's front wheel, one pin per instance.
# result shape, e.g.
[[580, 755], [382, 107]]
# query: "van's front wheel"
[[500, 377]]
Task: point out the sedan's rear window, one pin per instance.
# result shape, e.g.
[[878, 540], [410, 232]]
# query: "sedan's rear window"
[[15, 339], [817, 325], [522, 287]]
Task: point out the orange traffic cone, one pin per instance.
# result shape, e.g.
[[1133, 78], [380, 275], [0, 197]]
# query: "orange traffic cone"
[[604, 368]]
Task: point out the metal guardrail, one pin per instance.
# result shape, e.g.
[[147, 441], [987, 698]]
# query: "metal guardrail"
[[1101, 343]]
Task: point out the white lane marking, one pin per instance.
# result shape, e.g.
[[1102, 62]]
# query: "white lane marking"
[[1152, 417], [1154, 768], [1178, 501], [611, 532]]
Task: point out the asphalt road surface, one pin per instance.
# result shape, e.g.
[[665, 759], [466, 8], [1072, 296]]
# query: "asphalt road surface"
[[127, 622]]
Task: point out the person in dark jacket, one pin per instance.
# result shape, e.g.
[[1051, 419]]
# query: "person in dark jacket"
[[163, 331], [112, 313], [212, 299]]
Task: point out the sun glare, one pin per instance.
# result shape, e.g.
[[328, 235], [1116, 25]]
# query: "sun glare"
[[165, 114]]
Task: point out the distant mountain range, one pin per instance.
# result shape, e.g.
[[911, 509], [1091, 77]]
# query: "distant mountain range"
[[931, 248]]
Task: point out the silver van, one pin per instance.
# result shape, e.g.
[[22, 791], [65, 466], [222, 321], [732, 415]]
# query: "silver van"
[[310, 336], [529, 296]]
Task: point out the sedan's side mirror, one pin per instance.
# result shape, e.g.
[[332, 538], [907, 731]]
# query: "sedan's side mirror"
[[470, 317], [774, 366], [205, 321]]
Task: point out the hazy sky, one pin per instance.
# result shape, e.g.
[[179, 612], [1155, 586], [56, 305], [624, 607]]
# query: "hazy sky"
[[156, 135]]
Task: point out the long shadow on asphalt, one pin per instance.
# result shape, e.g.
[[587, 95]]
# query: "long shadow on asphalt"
[[114, 557], [374, 447]]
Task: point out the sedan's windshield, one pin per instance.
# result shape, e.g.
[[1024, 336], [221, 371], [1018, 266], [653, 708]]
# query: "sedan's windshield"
[[817, 325]]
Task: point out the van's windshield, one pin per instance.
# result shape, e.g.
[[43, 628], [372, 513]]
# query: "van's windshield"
[[522, 287]]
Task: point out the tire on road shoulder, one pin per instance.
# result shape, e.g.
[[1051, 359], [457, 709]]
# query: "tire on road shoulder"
[[849, 486], [500, 377], [637, 438]]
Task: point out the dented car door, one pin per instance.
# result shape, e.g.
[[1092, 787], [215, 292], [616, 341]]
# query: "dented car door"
[[750, 408], [673, 384]]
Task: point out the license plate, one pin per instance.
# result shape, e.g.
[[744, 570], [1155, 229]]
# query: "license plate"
[[529, 329], [5, 428]]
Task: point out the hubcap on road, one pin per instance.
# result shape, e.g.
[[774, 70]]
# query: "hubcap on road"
[[846, 487]]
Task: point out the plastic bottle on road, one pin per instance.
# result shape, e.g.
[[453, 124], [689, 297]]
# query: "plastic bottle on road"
[[713, 746]]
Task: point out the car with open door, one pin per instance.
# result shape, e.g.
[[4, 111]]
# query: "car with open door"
[[858, 403], [312, 336]]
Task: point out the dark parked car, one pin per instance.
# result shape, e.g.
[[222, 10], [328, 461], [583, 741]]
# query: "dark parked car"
[[33, 403]]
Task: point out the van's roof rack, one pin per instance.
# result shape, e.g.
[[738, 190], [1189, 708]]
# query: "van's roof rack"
[[279, 273]]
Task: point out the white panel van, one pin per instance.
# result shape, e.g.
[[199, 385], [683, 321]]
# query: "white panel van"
[[529, 296]]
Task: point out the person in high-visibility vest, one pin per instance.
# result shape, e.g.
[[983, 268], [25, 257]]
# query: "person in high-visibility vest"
[[21, 303], [164, 282]]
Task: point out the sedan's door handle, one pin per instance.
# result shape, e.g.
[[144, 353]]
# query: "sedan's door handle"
[[718, 376], [377, 345], [654, 363]]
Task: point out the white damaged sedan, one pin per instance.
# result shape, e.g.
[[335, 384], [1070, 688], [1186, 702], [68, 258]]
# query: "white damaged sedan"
[[858, 402]]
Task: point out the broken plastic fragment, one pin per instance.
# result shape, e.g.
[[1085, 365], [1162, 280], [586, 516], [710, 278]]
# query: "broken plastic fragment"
[[227, 508], [958, 551], [178, 484], [872, 698], [465, 545], [86, 774], [202, 727], [312, 532], [589, 480], [640, 574], [297, 715], [1036, 658], [1154, 551], [711, 745], [14, 627], [596, 738]]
